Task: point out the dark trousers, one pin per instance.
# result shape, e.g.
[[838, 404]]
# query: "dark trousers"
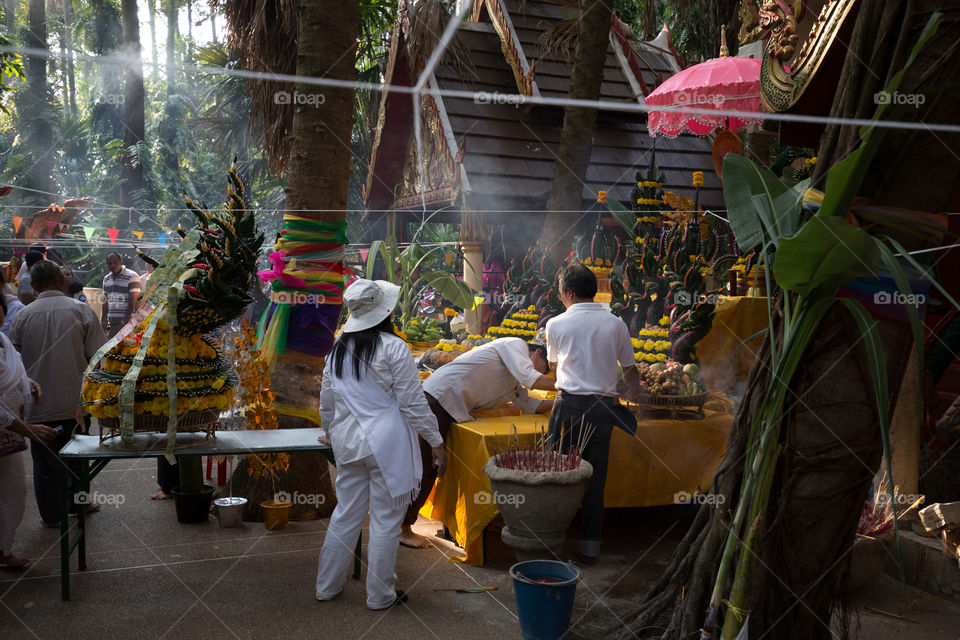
[[572, 415], [444, 420], [46, 470], [168, 475]]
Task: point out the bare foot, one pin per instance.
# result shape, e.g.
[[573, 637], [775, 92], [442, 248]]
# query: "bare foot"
[[161, 495], [13, 562], [413, 540]]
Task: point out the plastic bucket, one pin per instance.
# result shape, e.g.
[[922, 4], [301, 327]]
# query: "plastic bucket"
[[276, 515], [544, 590], [193, 508], [230, 511]]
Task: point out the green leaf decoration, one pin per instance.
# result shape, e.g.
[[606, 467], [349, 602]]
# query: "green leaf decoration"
[[452, 288], [823, 255], [624, 216]]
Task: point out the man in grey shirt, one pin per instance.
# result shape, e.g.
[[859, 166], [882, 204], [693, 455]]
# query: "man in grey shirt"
[[56, 338]]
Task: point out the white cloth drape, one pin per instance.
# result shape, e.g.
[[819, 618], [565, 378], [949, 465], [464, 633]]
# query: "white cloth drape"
[[14, 394]]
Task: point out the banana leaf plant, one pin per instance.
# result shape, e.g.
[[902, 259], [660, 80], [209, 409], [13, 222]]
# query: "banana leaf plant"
[[415, 267], [811, 260]]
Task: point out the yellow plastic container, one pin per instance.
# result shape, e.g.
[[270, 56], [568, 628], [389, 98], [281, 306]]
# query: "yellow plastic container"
[[276, 515]]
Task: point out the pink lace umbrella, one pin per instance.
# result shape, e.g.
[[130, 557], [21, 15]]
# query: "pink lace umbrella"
[[729, 84]]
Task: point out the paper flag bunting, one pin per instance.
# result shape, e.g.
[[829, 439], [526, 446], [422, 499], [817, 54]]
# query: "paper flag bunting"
[[113, 235], [51, 226], [162, 237], [139, 234], [89, 231], [16, 223]]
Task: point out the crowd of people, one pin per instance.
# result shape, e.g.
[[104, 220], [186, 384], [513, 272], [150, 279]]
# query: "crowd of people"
[[49, 333], [387, 427]]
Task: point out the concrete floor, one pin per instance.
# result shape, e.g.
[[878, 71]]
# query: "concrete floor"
[[151, 577]]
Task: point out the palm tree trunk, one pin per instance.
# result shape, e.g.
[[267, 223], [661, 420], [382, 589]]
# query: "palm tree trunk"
[[576, 137], [213, 23], [133, 112]]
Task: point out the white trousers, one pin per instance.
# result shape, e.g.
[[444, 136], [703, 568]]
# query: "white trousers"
[[13, 498], [362, 488]]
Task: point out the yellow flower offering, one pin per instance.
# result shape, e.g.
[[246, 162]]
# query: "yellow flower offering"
[[602, 197], [450, 313], [698, 179]]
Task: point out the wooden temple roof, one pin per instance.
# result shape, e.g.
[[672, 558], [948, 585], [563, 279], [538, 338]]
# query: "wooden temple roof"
[[506, 152]]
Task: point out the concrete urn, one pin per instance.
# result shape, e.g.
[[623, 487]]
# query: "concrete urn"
[[537, 506]]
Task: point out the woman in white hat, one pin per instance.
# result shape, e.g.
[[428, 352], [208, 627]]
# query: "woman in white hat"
[[372, 408]]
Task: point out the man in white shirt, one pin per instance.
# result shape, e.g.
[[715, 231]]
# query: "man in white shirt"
[[585, 344], [486, 377]]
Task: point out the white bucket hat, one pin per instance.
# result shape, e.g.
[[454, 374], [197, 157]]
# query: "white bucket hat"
[[369, 303]]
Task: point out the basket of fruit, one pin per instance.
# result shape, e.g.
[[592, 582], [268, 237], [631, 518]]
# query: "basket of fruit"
[[671, 387]]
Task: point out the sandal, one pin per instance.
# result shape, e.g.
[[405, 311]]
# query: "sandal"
[[401, 598], [13, 562]]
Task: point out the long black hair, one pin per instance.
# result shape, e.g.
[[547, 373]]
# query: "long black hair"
[[362, 345]]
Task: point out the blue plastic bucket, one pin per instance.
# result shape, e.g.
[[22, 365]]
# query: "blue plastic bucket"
[[544, 590]]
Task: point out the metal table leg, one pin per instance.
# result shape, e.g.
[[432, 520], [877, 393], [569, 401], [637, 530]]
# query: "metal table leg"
[[65, 496]]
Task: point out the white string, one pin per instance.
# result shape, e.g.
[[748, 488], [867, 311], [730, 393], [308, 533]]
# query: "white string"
[[600, 105]]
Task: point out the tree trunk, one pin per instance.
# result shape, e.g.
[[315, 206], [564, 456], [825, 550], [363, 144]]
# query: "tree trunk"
[[152, 10], [171, 67], [71, 75], [319, 176], [133, 113], [831, 439], [37, 116], [213, 23], [10, 16], [576, 137]]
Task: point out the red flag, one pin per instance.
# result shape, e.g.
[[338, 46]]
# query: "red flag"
[[113, 235], [16, 223]]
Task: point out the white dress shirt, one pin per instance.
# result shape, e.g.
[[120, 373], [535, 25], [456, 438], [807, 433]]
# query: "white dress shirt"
[[395, 372], [587, 341], [485, 377]]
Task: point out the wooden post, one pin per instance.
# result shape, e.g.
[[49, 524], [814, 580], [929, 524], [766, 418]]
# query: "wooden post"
[[905, 434]]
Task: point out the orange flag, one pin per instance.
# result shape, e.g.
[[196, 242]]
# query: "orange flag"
[[16, 223], [113, 235], [139, 234]]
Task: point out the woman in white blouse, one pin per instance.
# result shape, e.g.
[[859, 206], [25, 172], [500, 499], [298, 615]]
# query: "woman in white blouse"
[[15, 392], [372, 408]]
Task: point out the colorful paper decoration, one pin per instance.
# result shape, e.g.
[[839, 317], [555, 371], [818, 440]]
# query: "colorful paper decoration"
[[88, 231], [113, 235], [139, 234], [16, 223], [162, 237]]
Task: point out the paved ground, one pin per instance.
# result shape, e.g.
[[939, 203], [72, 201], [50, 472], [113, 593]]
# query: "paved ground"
[[150, 577]]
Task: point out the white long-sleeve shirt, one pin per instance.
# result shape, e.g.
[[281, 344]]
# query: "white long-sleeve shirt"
[[393, 370], [485, 378]]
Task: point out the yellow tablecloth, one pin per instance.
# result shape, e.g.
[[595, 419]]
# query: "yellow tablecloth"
[[665, 457]]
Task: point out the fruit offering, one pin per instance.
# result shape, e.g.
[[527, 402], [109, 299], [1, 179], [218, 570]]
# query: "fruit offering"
[[423, 330], [670, 379]]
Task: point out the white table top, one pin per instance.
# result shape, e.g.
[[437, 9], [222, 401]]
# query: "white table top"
[[147, 445]]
